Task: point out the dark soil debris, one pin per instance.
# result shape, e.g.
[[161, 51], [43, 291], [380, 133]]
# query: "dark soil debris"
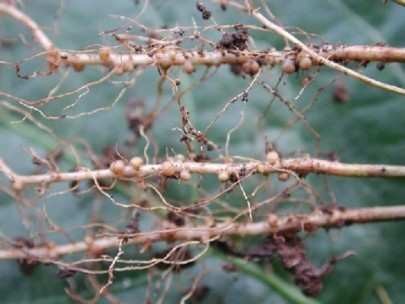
[[237, 40]]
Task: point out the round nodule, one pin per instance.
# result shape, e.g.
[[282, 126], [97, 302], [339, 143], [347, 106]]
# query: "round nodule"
[[223, 176], [117, 167], [136, 162], [288, 66]]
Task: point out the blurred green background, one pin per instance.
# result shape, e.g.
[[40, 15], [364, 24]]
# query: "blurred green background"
[[369, 128]]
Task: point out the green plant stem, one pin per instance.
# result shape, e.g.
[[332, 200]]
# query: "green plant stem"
[[283, 288]]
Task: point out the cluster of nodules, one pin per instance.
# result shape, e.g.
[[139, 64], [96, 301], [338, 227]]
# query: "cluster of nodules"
[[126, 66], [170, 168], [231, 49], [273, 160], [166, 59], [177, 168], [242, 62], [187, 60], [123, 168], [57, 58], [296, 61]]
